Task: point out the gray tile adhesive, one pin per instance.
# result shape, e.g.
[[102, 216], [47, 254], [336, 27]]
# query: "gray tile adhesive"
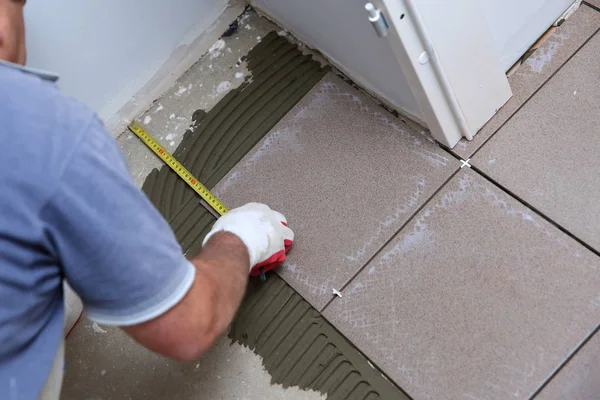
[[299, 347]]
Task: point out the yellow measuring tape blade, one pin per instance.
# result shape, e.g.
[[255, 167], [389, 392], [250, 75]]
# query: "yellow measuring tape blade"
[[176, 166]]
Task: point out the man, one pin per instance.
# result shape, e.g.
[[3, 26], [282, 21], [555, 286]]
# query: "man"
[[69, 210]]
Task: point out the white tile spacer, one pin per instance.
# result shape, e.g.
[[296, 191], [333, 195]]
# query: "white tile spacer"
[[336, 293], [465, 163]]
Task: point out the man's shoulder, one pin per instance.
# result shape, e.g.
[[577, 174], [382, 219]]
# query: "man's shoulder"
[[39, 128], [29, 101]]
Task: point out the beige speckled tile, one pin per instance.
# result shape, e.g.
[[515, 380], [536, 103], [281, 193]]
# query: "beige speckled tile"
[[580, 378], [548, 154], [563, 43], [347, 175], [477, 297]]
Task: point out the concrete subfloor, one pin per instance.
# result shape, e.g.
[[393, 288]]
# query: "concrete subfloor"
[[201, 87], [103, 362]]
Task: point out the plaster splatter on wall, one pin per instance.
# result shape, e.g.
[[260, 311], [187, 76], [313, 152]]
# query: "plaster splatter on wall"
[[181, 91], [216, 49], [97, 329], [223, 87]]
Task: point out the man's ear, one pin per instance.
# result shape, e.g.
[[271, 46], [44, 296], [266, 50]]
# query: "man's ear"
[[12, 31]]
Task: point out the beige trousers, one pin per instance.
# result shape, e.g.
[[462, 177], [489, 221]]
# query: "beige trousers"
[[51, 390], [73, 308]]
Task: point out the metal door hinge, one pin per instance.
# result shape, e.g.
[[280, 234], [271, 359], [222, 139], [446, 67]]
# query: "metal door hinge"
[[377, 20]]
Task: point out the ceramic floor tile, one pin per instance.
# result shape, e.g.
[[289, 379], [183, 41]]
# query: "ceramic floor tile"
[[347, 175], [563, 43], [477, 297], [578, 380], [548, 153]]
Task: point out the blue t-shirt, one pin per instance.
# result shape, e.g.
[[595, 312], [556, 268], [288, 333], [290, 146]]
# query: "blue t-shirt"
[[69, 210]]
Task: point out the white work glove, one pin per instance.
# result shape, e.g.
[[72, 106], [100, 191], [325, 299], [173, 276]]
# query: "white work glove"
[[263, 231]]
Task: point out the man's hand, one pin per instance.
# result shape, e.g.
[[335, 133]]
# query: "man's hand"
[[252, 235], [263, 231]]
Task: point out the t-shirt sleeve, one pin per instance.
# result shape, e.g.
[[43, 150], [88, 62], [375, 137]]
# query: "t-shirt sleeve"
[[115, 249]]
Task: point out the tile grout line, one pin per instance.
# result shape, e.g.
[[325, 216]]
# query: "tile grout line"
[[536, 210], [564, 363], [531, 207], [590, 5], [528, 98], [566, 232], [410, 218]]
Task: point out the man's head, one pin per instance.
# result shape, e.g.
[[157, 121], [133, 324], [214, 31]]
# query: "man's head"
[[12, 31]]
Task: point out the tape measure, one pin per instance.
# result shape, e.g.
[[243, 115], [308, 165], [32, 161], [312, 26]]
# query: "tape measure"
[[176, 166], [184, 174]]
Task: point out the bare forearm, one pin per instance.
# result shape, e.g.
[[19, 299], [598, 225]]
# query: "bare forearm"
[[251, 234], [188, 329], [222, 271]]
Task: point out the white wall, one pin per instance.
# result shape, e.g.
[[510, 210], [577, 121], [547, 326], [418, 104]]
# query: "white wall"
[[341, 30], [106, 50]]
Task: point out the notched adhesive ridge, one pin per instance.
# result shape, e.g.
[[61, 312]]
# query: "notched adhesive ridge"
[[301, 348]]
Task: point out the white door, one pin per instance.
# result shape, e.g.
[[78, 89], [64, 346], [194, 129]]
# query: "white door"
[[456, 76], [455, 54]]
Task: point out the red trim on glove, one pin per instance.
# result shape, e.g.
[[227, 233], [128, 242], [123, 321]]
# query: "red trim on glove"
[[287, 243], [274, 260], [269, 263]]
